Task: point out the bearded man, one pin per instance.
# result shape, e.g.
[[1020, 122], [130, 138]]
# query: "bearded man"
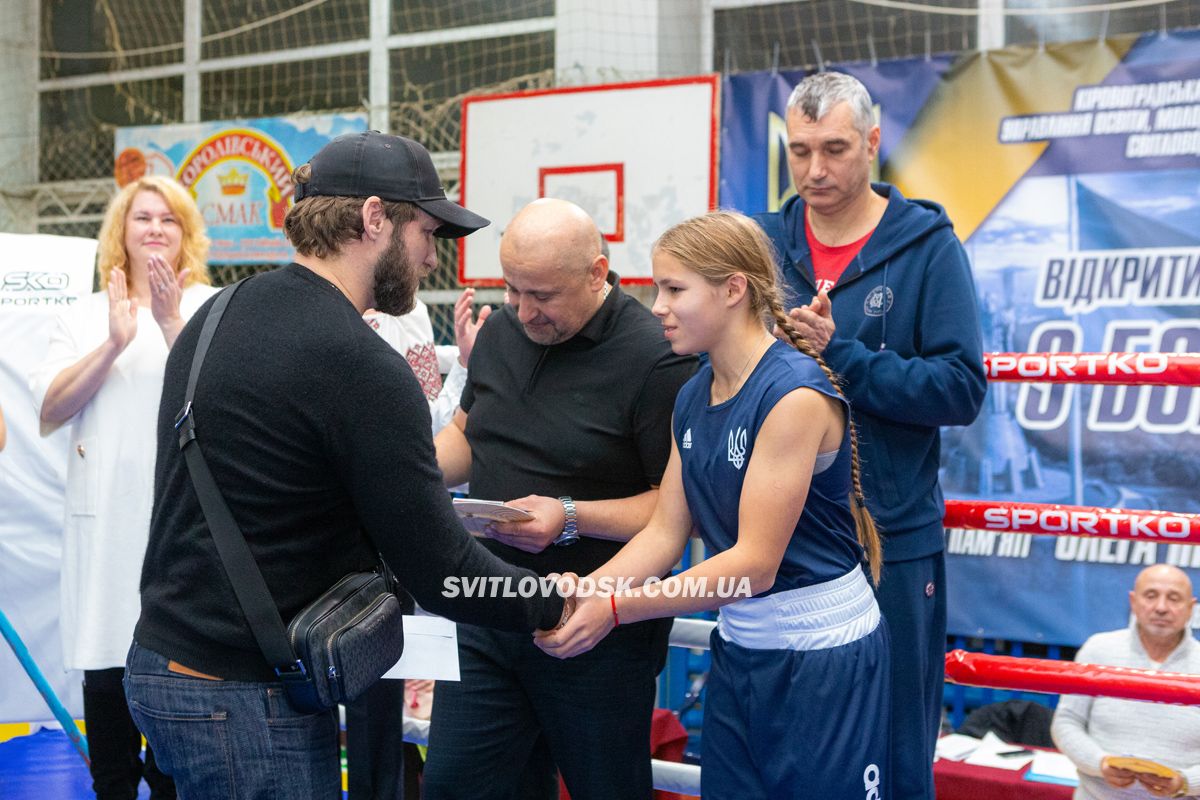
[[318, 435]]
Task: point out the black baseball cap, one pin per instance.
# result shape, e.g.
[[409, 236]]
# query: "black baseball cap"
[[392, 168]]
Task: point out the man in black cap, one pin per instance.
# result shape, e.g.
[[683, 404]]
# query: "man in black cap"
[[318, 436]]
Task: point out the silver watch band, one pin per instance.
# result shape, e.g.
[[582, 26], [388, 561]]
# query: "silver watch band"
[[570, 531]]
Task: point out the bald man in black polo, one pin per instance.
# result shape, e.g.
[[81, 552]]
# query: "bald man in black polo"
[[566, 413]]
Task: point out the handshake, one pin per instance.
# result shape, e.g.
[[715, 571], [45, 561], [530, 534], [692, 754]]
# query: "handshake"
[[586, 619]]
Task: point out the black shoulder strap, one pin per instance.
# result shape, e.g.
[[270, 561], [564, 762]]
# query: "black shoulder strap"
[[248, 584]]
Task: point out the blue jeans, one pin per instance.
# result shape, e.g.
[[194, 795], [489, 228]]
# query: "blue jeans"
[[227, 739]]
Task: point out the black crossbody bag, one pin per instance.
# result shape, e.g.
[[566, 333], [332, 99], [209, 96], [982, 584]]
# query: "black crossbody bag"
[[339, 644]]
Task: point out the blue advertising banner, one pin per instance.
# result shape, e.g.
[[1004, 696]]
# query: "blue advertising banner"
[[1071, 173], [239, 171], [754, 171]]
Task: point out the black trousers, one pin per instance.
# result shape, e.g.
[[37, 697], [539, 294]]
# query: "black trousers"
[[379, 765], [115, 743], [518, 714]]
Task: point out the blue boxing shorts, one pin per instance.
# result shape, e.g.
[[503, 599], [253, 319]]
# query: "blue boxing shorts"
[[809, 716]]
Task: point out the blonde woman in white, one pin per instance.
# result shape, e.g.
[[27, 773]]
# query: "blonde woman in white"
[[103, 376]]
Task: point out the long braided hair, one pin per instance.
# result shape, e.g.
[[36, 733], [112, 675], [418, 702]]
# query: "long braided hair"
[[722, 243]]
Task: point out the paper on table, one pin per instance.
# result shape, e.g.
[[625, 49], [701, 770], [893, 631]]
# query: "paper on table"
[[956, 746], [430, 650], [1050, 767], [990, 748]]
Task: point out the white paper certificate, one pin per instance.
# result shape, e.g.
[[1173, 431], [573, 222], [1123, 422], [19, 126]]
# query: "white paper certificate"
[[430, 650]]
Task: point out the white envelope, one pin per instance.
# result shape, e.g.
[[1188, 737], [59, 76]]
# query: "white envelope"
[[430, 650]]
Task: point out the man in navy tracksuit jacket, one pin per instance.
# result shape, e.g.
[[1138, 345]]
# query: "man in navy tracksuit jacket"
[[900, 326]]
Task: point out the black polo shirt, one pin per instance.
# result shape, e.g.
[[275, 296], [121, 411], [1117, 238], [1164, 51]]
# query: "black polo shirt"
[[589, 417]]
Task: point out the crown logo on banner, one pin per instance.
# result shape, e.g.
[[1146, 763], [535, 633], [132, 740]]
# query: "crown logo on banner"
[[233, 182], [261, 154]]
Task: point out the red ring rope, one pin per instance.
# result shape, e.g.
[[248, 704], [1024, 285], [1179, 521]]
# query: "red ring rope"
[[1060, 677], [1154, 369], [1063, 520], [1068, 677]]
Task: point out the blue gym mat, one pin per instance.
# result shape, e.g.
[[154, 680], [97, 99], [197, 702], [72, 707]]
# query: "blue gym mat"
[[45, 765]]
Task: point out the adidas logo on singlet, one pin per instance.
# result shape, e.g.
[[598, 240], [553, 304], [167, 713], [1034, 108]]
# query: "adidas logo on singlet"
[[687, 439]]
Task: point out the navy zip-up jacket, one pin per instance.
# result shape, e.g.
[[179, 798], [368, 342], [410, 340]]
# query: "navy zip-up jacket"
[[908, 347]]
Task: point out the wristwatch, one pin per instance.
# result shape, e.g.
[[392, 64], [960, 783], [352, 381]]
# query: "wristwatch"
[[570, 531]]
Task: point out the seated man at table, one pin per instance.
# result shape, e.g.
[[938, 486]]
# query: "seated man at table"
[[1092, 731]]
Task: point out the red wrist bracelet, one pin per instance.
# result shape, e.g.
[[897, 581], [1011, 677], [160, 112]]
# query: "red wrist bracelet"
[[616, 617]]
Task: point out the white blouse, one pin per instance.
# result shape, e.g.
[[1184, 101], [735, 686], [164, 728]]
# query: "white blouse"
[[110, 478]]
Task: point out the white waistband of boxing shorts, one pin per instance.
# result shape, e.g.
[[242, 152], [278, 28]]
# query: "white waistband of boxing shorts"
[[817, 617]]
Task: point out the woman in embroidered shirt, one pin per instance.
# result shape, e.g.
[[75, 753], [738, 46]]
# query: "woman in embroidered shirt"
[[103, 376], [764, 466]]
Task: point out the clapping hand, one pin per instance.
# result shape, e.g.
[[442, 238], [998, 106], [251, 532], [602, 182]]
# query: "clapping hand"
[[466, 326], [166, 290], [122, 310], [815, 321]]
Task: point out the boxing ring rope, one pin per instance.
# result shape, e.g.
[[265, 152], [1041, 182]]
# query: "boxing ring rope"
[[1068, 677], [1057, 677], [1003, 672], [78, 740], [1126, 369], [972, 669], [1055, 519], [1006, 672]]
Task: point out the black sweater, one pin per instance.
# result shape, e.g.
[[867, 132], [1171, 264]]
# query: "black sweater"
[[317, 434]]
